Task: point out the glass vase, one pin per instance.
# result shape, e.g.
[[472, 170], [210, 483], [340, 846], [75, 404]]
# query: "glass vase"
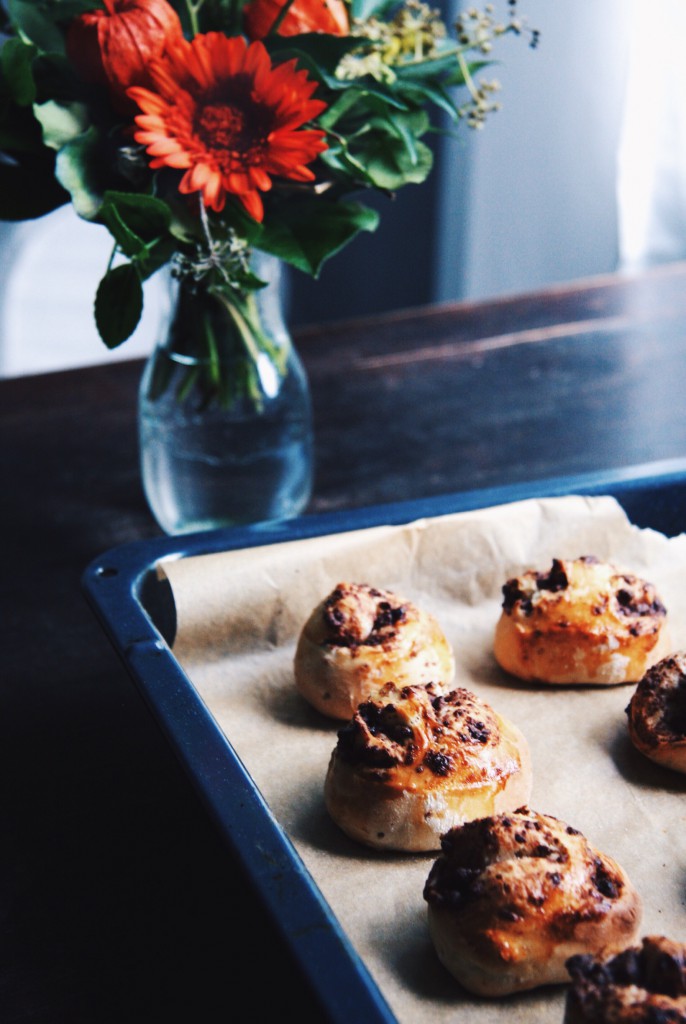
[[225, 422]]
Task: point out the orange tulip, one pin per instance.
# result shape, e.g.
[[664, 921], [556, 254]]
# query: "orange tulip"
[[329, 16], [114, 46]]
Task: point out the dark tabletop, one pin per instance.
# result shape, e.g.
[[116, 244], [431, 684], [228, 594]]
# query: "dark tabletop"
[[119, 901]]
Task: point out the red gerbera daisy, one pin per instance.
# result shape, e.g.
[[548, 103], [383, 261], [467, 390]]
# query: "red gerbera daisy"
[[222, 112]]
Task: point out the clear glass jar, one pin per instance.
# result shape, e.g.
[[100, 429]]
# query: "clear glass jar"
[[225, 421]]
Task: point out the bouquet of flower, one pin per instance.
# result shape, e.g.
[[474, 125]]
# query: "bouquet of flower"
[[198, 131]]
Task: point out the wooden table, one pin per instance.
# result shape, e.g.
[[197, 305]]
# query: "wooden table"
[[119, 903]]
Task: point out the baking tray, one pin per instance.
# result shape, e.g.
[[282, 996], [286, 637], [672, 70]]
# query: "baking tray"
[[136, 610]]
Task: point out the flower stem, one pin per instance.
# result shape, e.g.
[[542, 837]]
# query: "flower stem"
[[466, 74], [193, 12], [276, 24]]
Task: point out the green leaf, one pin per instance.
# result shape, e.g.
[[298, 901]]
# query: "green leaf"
[[340, 107], [138, 224], [364, 9], [134, 220], [404, 131], [318, 52], [415, 121], [20, 132], [144, 214], [118, 304], [458, 78], [422, 93], [389, 162], [235, 217], [127, 241], [56, 80], [408, 169], [359, 100], [15, 60], [65, 10], [215, 16], [345, 166], [36, 25], [61, 123], [28, 187], [387, 154], [155, 255], [76, 170], [307, 233], [14, 141], [429, 70]]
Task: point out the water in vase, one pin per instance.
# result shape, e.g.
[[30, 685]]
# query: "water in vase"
[[209, 468]]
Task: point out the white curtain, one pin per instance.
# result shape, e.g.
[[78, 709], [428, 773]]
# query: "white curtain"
[[651, 190]]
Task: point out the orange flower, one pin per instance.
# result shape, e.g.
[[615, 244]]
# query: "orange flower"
[[329, 16], [230, 120], [114, 46]]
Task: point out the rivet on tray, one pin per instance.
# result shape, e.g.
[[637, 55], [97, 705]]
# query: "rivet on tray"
[[106, 571]]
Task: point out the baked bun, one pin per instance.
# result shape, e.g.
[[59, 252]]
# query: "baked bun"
[[657, 713], [511, 898], [359, 638], [411, 764], [583, 621], [645, 984]]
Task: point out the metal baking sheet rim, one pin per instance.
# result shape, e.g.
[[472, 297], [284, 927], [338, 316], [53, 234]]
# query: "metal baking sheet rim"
[[117, 585]]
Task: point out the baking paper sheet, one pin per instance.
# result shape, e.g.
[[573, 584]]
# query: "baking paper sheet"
[[239, 615]]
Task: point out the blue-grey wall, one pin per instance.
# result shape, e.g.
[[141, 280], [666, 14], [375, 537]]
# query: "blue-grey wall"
[[540, 198], [528, 201]]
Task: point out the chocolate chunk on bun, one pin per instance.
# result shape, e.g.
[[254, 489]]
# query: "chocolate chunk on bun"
[[657, 713], [644, 984], [359, 638], [412, 763], [581, 621], [511, 898]]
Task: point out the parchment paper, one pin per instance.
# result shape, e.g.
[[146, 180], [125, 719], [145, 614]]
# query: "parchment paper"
[[239, 614]]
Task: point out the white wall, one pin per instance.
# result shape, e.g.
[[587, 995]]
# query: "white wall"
[[49, 273]]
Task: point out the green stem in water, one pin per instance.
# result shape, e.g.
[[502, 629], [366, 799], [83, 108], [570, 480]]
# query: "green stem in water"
[[256, 343], [213, 351], [242, 309], [187, 383]]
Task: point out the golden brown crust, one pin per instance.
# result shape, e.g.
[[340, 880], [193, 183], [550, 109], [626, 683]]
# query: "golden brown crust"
[[657, 713], [583, 621], [511, 898], [359, 638], [644, 984], [412, 764]]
